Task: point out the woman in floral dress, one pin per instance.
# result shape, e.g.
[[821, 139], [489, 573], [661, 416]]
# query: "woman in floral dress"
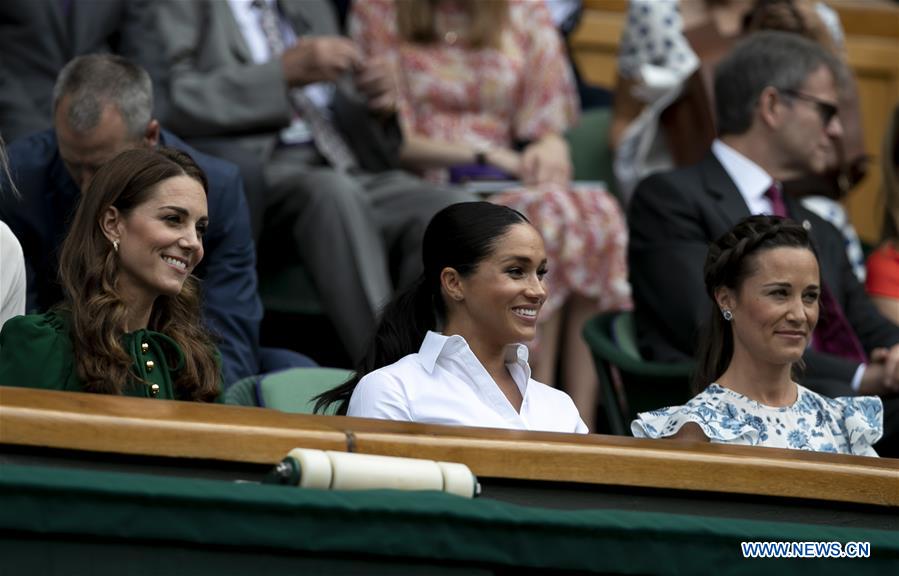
[[487, 85], [764, 281]]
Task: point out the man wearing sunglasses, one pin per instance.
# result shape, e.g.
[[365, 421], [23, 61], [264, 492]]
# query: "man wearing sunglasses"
[[776, 103]]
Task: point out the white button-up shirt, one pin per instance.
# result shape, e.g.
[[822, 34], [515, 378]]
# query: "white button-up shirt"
[[751, 179], [444, 383]]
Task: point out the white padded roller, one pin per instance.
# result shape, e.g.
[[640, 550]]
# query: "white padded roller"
[[349, 471], [368, 471], [458, 479], [315, 468]]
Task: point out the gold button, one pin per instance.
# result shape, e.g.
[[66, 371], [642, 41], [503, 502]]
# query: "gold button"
[[150, 365], [144, 347], [154, 390]]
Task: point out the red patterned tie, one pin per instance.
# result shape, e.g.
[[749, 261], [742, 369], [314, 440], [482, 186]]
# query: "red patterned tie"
[[778, 207], [833, 334], [327, 140]]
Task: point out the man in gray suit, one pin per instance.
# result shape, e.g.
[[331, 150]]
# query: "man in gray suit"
[[267, 75]]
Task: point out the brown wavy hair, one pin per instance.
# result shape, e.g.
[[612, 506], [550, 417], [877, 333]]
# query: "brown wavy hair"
[[416, 21], [89, 272]]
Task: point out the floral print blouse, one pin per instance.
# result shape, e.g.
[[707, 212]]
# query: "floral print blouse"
[[848, 425]]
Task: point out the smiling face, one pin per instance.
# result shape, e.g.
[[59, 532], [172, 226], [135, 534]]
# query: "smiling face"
[[776, 308], [160, 240], [498, 303]]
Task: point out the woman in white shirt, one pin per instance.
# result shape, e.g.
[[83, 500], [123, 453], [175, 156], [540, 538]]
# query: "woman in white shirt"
[[448, 350]]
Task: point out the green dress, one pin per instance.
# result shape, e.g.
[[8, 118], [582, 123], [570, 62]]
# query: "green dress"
[[36, 352]]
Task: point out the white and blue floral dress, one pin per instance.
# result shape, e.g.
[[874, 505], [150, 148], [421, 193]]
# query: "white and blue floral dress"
[[849, 425]]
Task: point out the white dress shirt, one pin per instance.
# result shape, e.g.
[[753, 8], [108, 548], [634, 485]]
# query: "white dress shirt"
[[751, 179], [321, 94], [444, 383]]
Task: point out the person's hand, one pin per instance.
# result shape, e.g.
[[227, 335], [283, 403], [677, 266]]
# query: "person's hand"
[[546, 161], [506, 159], [889, 359], [377, 81], [319, 59], [881, 375]]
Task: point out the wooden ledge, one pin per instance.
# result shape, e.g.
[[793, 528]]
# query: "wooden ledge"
[[132, 426]]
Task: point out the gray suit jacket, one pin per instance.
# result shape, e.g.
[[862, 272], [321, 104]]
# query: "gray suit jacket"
[[38, 38], [213, 88], [673, 217]]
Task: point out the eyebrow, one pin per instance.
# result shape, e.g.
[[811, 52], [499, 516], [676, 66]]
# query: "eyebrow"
[[183, 212], [786, 285], [524, 259]]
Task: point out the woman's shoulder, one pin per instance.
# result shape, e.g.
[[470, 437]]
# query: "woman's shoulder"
[[856, 422], [723, 416], [406, 370], [48, 324], [549, 393], [864, 411], [36, 351]]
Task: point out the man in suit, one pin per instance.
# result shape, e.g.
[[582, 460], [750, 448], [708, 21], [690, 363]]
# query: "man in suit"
[[38, 38], [282, 85], [776, 96], [103, 106]]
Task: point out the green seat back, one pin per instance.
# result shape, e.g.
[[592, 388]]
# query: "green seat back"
[[293, 390], [645, 385], [289, 390], [588, 142]]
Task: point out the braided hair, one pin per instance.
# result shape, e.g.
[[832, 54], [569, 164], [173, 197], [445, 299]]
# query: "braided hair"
[[730, 260]]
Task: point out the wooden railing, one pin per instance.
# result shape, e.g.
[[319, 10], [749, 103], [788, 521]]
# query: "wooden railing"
[[140, 427], [872, 46]]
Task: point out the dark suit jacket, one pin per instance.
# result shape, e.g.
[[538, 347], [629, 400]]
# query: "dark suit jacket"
[[40, 220], [213, 88], [673, 217], [38, 38]]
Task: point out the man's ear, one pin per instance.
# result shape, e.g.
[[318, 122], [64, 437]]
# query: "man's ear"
[[111, 224], [725, 299], [151, 134], [451, 283], [770, 108]]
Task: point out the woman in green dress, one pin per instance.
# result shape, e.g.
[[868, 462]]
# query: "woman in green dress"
[[130, 321]]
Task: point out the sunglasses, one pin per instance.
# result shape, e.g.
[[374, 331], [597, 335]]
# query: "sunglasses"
[[826, 110]]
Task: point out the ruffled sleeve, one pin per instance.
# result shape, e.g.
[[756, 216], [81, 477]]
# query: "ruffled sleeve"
[[861, 423], [720, 420], [36, 352]]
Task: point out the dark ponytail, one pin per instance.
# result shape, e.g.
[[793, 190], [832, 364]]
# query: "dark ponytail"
[[460, 236], [404, 322], [729, 262]]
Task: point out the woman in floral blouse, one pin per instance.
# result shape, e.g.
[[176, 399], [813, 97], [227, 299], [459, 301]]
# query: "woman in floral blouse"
[[764, 280], [486, 86]]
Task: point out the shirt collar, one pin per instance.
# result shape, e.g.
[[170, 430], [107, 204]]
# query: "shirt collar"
[[751, 179], [436, 345]]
